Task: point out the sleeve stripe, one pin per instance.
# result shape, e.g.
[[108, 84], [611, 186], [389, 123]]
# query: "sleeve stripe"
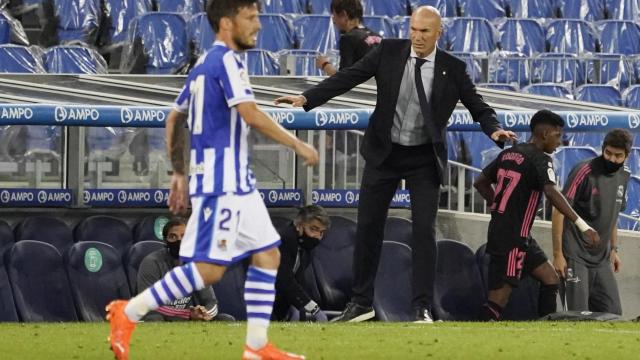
[[577, 180], [165, 310]]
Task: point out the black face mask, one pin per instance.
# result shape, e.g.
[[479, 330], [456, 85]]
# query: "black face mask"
[[174, 249], [307, 242], [611, 167]]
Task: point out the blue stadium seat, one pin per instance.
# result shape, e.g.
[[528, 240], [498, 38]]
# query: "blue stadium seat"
[[105, 229], [11, 29], [185, 7], [590, 10], [458, 286], [118, 14], [77, 20], [477, 143], [610, 69], [566, 158], [470, 35], [201, 35], [262, 62], [159, 45], [399, 230], [488, 9], [382, 25], [474, 67], [230, 291], [96, 277], [134, 257], [558, 68], [447, 8], [39, 282], [619, 36], [20, 59], [74, 60], [549, 89], [282, 6], [523, 302], [392, 298], [316, 32], [5, 31], [591, 139], [634, 161], [403, 25], [633, 205], [602, 94], [385, 8], [509, 68], [525, 36], [276, 33], [301, 62], [495, 86], [571, 36], [280, 222], [319, 7], [623, 9], [45, 229], [524, 9], [149, 228], [332, 264], [632, 97], [42, 140]]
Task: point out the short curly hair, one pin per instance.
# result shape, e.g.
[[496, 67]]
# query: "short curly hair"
[[353, 8]]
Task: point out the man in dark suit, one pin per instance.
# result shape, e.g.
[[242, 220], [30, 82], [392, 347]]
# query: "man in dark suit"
[[418, 89]]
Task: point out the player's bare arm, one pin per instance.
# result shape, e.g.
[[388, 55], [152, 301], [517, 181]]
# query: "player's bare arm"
[[176, 134], [261, 122], [557, 226], [483, 185], [560, 202]]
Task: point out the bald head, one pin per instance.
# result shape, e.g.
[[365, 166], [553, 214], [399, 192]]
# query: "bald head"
[[426, 28]]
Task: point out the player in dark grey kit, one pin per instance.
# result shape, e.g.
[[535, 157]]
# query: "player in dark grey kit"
[[521, 174], [596, 188]]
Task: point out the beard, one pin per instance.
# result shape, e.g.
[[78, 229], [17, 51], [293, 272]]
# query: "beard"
[[242, 45]]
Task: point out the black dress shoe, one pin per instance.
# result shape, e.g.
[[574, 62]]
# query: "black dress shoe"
[[423, 316], [355, 313]]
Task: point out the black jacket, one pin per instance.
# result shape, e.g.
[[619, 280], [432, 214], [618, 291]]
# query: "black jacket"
[[386, 63]]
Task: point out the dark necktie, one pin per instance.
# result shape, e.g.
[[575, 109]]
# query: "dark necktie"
[[425, 106]]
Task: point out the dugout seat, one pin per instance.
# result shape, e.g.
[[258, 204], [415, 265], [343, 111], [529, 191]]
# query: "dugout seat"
[[458, 285], [262, 62], [470, 35], [623, 9], [524, 36], [45, 229], [332, 264], [149, 228], [20, 59], [11, 30], [283, 6], [96, 277], [7, 305], [68, 21], [105, 229], [382, 25], [509, 68], [133, 258], [632, 97], [392, 297], [399, 230], [523, 302], [571, 36], [158, 44], [385, 8], [524, 9], [494, 86], [117, 16], [488, 9], [619, 36], [566, 157], [589, 10], [6, 237], [184, 7], [633, 205], [277, 33], [280, 222], [316, 32], [74, 60], [39, 282], [230, 291], [602, 94], [549, 89], [558, 68]]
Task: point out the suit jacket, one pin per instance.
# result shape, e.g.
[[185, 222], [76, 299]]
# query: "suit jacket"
[[386, 63]]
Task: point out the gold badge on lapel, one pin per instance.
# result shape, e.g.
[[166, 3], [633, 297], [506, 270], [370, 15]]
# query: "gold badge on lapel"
[[444, 73]]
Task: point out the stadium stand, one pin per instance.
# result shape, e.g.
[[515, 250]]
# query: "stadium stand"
[[68, 21], [57, 232], [631, 97], [96, 277], [385, 8], [589, 10], [619, 36], [332, 264], [633, 205], [509, 68], [277, 33], [11, 30], [230, 291], [116, 18], [571, 36], [603, 94], [382, 25], [566, 157], [610, 69], [93, 229], [262, 62], [523, 9], [549, 89], [20, 59], [488, 9], [133, 258], [634, 160], [474, 66], [623, 9], [316, 32], [74, 60], [524, 36], [494, 86], [185, 7], [558, 68], [301, 62], [469, 35], [39, 282], [283, 6], [201, 34], [458, 289], [392, 296]]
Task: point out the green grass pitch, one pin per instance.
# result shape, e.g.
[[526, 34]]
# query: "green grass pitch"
[[373, 340]]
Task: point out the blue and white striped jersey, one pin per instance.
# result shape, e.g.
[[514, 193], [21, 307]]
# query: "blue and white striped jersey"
[[219, 150]]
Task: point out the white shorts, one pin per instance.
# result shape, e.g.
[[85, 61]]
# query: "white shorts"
[[228, 228]]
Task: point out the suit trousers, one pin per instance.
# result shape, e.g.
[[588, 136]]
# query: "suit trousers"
[[417, 165]]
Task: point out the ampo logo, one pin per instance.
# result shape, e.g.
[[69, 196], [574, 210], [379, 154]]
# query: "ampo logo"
[[634, 120], [126, 115], [315, 197], [321, 118], [273, 196], [122, 196], [350, 197], [262, 195], [4, 196], [86, 197], [158, 196], [42, 197], [60, 114], [572, 120], [510, 119]]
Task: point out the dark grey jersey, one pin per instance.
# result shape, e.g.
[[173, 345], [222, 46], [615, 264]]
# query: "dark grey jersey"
[[597, 197]]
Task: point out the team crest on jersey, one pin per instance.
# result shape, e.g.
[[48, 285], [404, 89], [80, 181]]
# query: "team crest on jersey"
[[551, 174], [244, 77], [222, 244]]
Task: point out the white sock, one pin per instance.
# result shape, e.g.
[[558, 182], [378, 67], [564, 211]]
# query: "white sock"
[[259, 294]]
